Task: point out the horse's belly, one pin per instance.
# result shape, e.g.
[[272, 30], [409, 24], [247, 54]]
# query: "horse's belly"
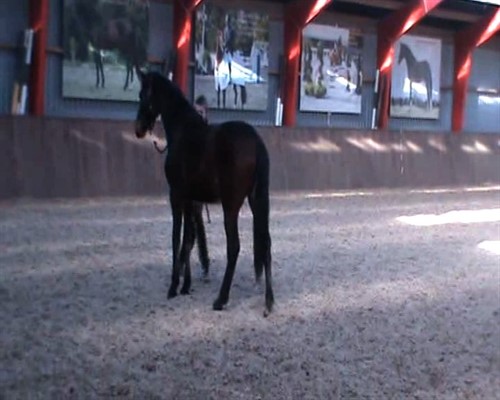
[[204, 191]]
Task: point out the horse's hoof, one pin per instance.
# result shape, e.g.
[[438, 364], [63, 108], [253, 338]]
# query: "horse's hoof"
[[171, 293], [269, 306], [218, 305], [185, 291]]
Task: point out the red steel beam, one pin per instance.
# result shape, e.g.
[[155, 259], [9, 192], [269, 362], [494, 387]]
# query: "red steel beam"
[[465, 43], [298, 14], [390, 29], [39, 19], [183, 13]]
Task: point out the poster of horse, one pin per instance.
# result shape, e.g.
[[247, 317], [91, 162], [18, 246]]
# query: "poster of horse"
[[416, 73], [331, 69], [231, 58], [102, 41]]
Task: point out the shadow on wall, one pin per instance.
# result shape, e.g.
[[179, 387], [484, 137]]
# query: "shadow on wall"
[[318, 159]]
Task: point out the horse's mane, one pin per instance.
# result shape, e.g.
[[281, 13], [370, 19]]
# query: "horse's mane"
[[182, 104], [179, 109], [405, 47]]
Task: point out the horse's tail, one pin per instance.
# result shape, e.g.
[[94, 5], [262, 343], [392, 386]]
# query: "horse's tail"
[[259, 203]]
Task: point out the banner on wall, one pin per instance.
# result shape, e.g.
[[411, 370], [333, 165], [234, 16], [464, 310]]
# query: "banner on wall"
[[416, 73], [103, 39], [231, 58], [331, 69]]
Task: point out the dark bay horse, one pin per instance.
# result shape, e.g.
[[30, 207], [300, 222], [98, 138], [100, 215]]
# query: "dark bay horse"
[[418, 71], [209, 163]]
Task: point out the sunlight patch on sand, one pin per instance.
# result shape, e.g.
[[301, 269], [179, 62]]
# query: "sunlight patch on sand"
[[491, 246], [452, 217]]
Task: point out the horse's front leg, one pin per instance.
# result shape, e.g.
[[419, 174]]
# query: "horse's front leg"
[[97, 71], [129, 77], [187, 246], [176, 207]]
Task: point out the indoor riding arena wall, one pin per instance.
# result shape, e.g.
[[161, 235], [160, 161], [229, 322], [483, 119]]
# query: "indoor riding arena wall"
[[63, 157]]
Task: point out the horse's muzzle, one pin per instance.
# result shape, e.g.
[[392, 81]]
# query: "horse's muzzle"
[[140, 130]]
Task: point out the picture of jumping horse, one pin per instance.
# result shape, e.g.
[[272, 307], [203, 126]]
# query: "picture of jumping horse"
[[418, 72], [223, 78]]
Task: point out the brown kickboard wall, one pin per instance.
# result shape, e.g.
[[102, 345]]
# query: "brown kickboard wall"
[[57, 157]]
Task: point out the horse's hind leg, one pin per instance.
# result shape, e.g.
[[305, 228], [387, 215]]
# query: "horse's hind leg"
[[233, 249], [201, 238]]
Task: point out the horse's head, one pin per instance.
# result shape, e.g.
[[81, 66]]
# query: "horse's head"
[[149, 104]]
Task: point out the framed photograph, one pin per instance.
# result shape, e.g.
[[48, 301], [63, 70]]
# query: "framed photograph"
[[103, 40], [416, 78], [331, 69], [231, 58]]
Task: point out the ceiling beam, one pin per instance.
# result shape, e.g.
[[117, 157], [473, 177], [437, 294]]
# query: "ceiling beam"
[[441, 13], [466, 41], [298, 13]]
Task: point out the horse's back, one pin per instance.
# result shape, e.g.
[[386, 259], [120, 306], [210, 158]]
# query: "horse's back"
[[237, 132], [239, 139], [239, 151]]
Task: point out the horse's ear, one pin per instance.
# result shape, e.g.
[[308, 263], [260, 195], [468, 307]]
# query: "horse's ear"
[[139, 73]]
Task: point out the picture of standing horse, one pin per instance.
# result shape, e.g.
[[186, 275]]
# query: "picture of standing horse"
[[103, 41], [231, 52], [415, 82]]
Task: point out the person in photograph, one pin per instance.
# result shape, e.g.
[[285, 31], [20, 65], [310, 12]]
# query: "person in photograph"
[[229, 43], [201, 105]]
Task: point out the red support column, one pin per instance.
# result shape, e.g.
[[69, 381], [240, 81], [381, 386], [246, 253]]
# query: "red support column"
[[39, 21], [465, 43], [390, 30], [297, 15], [183, 12]]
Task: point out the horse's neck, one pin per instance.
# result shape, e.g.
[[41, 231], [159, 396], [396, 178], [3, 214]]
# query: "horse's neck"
[[174, 122], [408, 56]]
